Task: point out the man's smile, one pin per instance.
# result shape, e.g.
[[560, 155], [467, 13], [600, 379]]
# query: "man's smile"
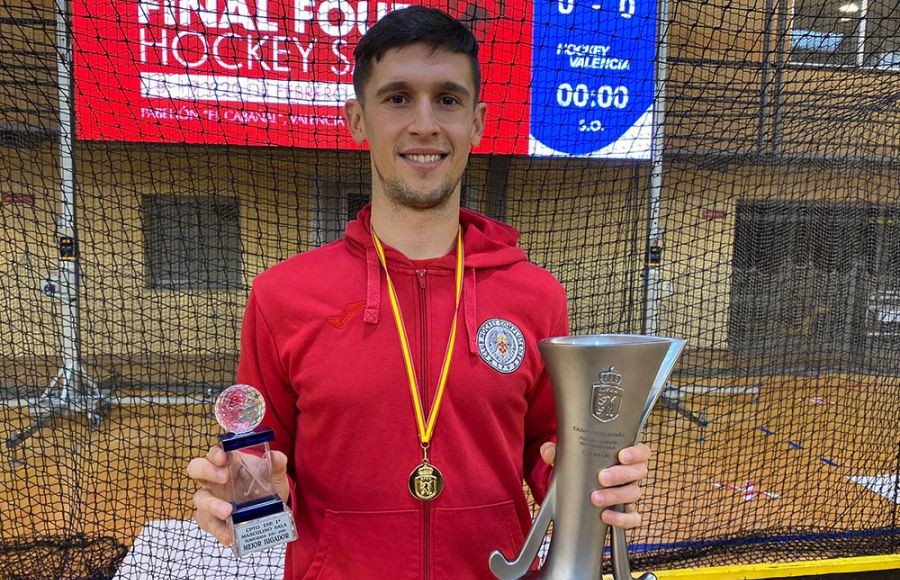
[[424, 158]]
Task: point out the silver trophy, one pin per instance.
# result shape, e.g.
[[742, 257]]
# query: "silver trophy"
[[604, 387]]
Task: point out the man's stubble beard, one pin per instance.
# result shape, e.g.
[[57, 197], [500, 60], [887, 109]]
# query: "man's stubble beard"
[[399, 192]]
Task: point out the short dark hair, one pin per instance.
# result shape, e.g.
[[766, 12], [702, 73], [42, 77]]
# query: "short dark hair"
[[401, 28]]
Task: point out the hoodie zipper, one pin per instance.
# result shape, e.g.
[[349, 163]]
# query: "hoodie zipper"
[[423, 382]]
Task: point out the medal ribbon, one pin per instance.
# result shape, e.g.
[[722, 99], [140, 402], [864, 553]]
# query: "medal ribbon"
[[426, 428]]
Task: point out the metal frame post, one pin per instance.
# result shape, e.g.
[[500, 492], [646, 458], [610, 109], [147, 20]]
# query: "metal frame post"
[[68, 247], [72, 389], [653, 255], [671, 395]]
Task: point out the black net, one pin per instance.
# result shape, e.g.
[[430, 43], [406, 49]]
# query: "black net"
[[209, 145]]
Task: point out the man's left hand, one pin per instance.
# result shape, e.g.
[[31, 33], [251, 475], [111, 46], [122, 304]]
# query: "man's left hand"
[[618, 484]]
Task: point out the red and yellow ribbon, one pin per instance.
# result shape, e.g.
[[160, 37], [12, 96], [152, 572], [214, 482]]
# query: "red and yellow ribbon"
[[426, 428]]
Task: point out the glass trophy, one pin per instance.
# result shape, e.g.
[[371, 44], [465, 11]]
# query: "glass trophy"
[[260, 519]]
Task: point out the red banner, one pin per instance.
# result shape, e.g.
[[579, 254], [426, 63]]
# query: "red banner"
[[263, 72]]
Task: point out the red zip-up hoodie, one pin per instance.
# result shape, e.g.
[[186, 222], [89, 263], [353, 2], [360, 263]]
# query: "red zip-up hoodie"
[[319, 340]]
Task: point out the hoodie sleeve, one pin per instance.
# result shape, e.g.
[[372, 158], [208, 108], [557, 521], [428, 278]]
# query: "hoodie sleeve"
[[260, 366], [540, 421]]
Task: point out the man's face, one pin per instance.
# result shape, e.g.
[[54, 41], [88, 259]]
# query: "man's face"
[[420, 119]]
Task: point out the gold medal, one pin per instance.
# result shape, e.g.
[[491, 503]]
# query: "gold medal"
[[426, 481]]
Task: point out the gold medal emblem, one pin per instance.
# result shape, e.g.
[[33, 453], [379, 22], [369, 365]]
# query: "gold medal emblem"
[[426, 482]]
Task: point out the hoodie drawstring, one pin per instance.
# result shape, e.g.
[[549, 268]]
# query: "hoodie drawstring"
[[469, 309], [373, 286]]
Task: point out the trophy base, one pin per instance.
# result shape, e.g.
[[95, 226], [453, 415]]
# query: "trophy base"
[[260, 525]]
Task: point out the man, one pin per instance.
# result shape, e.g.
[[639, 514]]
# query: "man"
[[400, 364]]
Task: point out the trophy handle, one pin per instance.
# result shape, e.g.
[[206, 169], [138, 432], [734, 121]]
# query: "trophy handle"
[[621, 567], [618, 545], [506, 570]]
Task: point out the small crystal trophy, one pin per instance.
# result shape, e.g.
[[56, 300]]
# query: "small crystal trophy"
[[260, 519]]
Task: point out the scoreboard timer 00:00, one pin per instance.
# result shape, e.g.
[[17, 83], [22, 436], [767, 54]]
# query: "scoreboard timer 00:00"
[[582, 96]]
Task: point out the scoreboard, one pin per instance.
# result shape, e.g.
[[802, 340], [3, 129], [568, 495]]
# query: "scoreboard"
[[560, 77]]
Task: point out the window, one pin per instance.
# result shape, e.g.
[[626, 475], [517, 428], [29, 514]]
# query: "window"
[[883, 34], [816, 282], [846, 33], [192, 243], [884, 245], [829, 237], [335, 203]]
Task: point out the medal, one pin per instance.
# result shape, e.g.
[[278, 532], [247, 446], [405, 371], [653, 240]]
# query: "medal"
[[426, 481]]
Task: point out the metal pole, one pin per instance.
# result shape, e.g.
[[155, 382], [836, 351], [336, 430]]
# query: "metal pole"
[[671, 395], [68, 248], [777, 114], [861, 34], [654, 232], [764, 78], [72, 389]]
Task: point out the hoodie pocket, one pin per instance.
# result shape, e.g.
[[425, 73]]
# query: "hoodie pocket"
[[368, 546], [463, 539]]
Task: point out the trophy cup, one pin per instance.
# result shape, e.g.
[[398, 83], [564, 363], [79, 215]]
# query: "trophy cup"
[[604, 387], [260, 519]]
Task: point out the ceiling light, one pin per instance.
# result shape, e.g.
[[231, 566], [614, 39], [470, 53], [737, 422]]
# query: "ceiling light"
[[848, 8]]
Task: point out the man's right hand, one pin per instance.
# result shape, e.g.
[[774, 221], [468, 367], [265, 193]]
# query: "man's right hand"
[[211, 499]]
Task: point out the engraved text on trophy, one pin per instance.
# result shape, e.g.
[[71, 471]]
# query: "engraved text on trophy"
[[606, 397]]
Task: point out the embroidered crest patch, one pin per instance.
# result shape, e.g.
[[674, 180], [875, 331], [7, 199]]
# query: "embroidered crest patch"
[[501, 344]]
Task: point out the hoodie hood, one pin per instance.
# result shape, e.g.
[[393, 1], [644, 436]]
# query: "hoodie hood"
[[487, 243]]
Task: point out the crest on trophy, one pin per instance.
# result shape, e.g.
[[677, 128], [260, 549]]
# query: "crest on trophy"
[[606, 397]]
